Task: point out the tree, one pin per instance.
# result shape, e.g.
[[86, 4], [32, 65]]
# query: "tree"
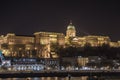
[[4, 46]]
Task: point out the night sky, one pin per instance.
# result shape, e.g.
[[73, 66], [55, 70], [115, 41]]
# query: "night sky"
[[90, 17]]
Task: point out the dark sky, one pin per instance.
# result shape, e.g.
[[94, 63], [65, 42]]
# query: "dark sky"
[[90, 17]]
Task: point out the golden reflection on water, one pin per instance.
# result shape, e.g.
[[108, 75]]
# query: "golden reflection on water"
[[47, 78]]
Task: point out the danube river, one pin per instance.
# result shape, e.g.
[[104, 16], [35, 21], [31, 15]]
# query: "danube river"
[[62, 78], [47, 78]]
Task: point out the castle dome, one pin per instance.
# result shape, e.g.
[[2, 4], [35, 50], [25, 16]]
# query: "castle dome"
[[71, 26]]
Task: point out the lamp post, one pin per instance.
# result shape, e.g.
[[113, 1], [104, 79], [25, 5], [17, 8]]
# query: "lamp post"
[[28, 52], [36, 52], [69, 77]]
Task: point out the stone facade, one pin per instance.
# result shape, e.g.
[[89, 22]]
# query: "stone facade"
[[41, 44]]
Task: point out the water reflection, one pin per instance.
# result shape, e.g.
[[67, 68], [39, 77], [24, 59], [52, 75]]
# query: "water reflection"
[[47, 78]]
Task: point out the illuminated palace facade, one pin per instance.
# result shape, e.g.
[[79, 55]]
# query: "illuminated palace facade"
[[41, 43]]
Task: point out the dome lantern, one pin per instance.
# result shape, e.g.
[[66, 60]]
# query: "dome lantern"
[[71, 32], [71, 26]]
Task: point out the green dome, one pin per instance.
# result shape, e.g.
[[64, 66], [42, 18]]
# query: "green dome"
[[71, 27]]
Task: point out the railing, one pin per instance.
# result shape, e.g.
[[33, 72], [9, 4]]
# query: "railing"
[[59, 73], [42, 71]]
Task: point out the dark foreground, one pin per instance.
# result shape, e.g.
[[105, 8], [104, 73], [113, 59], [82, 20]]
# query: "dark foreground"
[[25, 74]]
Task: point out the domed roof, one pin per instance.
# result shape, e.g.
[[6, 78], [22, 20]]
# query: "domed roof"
[[71, 26]]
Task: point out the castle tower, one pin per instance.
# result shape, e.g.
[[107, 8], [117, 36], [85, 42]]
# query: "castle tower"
[[71, 32]]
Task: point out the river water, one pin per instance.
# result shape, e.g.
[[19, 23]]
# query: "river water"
[[58, 78], [47, 78]]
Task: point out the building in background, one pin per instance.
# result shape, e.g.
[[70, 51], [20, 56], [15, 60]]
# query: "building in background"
[[82, 61], [70, 33], [45, 41], [91, 40], [19, 46], [43, 44]]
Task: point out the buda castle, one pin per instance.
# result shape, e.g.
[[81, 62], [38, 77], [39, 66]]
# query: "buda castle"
[[40, 43]]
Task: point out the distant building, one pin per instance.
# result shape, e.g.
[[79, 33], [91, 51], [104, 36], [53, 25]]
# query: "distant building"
[[42, 44], [91, 40], [14, 45], [24, 46], [71, 31], [45, 40], [114, 44], [32, 64], [82, 61], [119, 43]]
